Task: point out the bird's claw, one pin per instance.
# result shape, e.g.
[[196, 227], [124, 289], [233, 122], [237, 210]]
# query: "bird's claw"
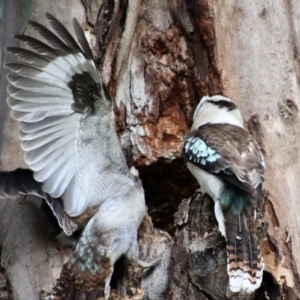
[[150, 264]]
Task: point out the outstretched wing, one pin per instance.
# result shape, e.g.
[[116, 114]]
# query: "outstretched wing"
[[228, 151], [21, 182], [50, 90]]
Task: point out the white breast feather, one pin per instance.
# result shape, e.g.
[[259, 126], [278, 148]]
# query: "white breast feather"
[[213, 186], [122, 211]]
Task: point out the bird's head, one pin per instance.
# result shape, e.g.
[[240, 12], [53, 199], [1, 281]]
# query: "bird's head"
[[217, 110]]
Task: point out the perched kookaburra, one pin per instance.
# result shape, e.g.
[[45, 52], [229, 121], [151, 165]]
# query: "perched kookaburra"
[[229, 166], [67, 130]]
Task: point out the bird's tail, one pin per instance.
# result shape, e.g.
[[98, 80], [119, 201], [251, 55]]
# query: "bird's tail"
[[244, 261], [76, 284], [22, 182]]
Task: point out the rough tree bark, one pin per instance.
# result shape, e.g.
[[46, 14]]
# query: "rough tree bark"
[[158, 58]]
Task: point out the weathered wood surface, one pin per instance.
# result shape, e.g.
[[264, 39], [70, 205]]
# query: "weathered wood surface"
[[158, 58]]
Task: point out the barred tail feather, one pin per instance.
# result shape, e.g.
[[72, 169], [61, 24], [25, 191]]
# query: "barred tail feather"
[[235, 264], [244, 261], [253, 262]]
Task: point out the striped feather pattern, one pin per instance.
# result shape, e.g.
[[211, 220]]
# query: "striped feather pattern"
[[43, 98], [244, 261]]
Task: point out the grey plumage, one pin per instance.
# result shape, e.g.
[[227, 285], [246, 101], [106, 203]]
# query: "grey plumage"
[[67, 130], [229, 166]]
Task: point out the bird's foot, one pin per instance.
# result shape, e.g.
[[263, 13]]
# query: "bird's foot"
[[145, 265]]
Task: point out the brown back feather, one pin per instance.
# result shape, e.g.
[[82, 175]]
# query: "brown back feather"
[[241, 161], [75, 284]]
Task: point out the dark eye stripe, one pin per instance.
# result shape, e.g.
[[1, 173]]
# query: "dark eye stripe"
[[223, 103]]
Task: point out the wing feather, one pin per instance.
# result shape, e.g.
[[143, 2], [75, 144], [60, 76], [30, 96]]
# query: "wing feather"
[[29, 56], [49, 122], [45, 161], [41, 133], [59, 169], [229, 151], [71, 203], [59, 59], [82, 40], [38, 154], [37, 45], [63, 33], [42, 101], [51, 38], [34, 86], [28, 145], [21, 181], [55, 93]]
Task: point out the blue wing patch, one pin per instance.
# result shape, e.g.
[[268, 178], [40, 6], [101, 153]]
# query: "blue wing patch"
[[198, 152]]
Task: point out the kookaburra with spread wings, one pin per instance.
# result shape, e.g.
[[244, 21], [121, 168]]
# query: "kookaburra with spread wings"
[[67, 130], [229, 166]]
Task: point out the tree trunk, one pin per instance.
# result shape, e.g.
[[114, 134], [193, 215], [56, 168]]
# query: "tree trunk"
[[158, 58]]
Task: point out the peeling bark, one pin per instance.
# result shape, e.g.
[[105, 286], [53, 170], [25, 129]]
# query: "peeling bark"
[[198, 264], [158, 58]]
